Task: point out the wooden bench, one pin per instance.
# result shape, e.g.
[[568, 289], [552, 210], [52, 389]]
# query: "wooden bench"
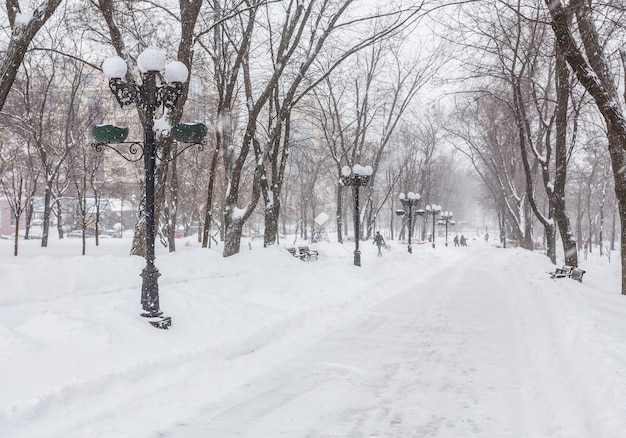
[[569, 272], [303, 253]]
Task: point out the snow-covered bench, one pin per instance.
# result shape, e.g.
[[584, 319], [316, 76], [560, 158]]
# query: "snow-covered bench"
[[570, 272], [303, 253]]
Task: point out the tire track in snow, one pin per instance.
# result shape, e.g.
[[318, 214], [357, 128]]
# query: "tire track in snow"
[[152, 378], [429, 349]]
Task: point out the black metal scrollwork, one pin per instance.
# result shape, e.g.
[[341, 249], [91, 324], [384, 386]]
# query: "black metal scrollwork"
[[132, 154], [168, 95], [126, 94], [199, 145]]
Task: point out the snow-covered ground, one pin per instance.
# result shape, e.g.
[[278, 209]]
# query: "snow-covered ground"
[[446, 342]]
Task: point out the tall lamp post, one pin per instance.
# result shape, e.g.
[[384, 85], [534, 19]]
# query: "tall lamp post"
[[446, 218], [409, 201], [433, 209], [356, 177], [149, 96]]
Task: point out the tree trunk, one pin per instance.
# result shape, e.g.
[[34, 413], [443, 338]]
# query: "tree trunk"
[[17, 237], [601, 229], [613, 229], [138, 247], [561, 217], [232, 239], [339, 214], [271, 223], [173, 211], [524, 140], [97, 221], [208, 212], [526, 241], [401, 233], [59, 220], [502, 227], [550, 231], [46, 216]]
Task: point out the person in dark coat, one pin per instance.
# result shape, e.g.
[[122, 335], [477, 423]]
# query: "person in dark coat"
[[379, 241], [456, 240], [463, 240]]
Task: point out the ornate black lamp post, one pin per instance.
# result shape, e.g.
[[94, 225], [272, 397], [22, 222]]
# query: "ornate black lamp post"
[[433, 210], [149, 96], [446, 218], [409, 201], [356, 177]]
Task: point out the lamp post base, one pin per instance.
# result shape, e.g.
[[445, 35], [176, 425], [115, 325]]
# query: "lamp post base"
[[150, 291], [161, 322], [410, 249], [357, 258]]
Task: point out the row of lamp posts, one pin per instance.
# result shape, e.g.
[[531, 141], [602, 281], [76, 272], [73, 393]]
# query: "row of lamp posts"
[[359, 176], [409, 201]]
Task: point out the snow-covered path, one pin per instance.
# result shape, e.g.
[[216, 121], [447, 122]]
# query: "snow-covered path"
[[450, 356], [452, 342]]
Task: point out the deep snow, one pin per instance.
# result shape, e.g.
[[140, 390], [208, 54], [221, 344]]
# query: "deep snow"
[[446, 342]]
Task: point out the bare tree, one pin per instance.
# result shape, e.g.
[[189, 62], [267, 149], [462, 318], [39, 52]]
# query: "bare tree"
[[359, 115], [14, 180], [420, 164], [535, 87], [166, 202], [305, 31], [24, 24], [310, 168], [484, 128], [48, 118]]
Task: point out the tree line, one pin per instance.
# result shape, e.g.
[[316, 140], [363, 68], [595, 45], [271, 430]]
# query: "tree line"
[[526, 93]]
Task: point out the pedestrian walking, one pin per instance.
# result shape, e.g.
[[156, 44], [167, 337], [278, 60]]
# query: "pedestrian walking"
[[456, 240], [380, 242]]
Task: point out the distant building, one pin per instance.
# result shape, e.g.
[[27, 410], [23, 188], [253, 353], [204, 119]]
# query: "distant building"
[[7, 218], [114, 212]]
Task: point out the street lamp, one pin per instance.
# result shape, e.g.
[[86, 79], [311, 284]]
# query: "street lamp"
[[149, 96], [446, 218], [410, 200], [356, 177], [433, 210]]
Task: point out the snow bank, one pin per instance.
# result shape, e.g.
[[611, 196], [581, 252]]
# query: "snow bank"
[[78, 360]]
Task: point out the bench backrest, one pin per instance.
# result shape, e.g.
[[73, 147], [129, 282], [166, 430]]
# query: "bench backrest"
[[577, 274]]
